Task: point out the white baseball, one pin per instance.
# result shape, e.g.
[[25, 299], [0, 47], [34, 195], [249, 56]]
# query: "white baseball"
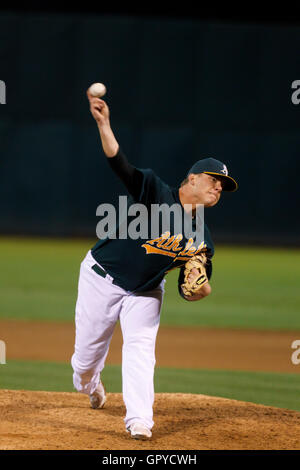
[[97, 89]]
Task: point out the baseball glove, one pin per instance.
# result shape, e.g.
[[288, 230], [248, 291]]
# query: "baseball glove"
[[188, 287]]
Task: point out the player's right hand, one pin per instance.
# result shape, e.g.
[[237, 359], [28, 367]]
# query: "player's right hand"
[[99, 110]]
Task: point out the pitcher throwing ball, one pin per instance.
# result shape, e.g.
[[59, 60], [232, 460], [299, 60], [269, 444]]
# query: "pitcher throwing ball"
[[123, 279]]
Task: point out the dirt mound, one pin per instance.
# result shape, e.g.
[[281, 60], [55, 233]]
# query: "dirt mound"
[[65, 421]]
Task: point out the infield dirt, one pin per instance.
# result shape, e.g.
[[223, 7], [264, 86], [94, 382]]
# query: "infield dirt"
[[181, 347]]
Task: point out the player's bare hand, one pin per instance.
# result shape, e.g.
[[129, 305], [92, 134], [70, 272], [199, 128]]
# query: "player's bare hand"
[[99, 110]]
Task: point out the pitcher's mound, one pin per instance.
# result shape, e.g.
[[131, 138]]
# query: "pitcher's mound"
[[65, 421]]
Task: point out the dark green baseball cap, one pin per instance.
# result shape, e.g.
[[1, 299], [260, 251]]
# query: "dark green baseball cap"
[[211, 166]]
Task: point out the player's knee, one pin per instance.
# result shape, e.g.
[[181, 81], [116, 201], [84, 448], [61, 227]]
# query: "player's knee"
[[139, 345]]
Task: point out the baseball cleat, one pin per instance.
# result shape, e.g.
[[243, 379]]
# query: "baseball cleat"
[[139, 431], [98, 397]]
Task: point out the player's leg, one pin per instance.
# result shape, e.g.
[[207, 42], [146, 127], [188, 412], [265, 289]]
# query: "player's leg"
[[97, 311], [139, 320]]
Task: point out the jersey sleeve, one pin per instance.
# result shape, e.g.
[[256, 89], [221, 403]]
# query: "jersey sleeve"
[[143, 184], [153, 189], [128, 173]]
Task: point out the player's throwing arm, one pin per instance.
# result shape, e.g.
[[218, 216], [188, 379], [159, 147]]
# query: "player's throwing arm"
[[100, 113]]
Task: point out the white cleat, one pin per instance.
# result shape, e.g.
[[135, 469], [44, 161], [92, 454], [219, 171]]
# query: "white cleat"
[[98, 397], [139, 431]]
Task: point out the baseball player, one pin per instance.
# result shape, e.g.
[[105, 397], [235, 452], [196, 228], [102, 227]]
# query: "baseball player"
[[123, 279]]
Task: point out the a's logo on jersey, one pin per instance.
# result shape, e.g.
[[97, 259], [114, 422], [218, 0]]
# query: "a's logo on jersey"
[[224, 170], [170, 246]]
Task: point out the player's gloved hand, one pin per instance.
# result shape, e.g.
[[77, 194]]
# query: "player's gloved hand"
[[194, 275]]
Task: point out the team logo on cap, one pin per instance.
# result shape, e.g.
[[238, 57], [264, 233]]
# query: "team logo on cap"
[[224, 170]]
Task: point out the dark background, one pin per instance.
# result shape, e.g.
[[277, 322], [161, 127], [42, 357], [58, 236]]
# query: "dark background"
[[182, 85]]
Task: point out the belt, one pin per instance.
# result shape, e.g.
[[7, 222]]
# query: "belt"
[[99, 270]]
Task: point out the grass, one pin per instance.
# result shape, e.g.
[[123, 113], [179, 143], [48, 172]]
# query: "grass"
[[251, 287], [272, 389], [39, 278]]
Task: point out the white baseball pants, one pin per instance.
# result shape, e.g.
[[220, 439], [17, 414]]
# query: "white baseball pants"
[[100, 304]]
